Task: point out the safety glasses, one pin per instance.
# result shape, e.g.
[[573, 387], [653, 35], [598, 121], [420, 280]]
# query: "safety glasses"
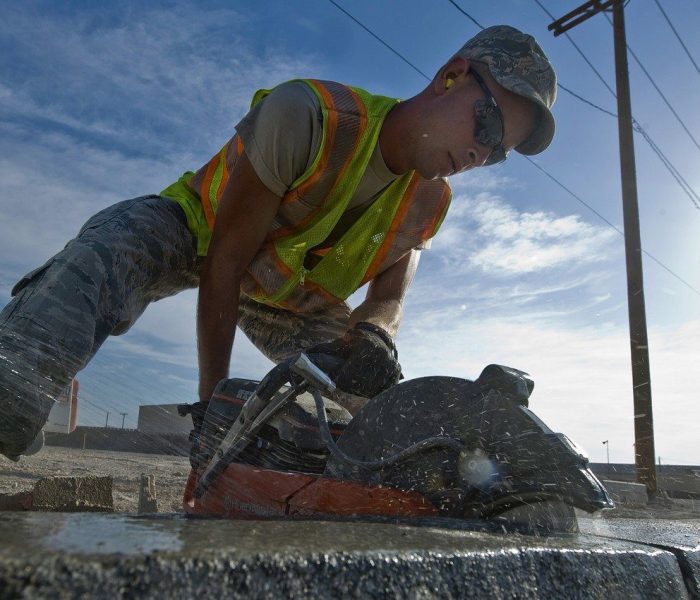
[[488, 123]]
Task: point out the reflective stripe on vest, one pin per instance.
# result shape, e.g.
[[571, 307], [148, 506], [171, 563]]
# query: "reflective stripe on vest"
[[407, 213]]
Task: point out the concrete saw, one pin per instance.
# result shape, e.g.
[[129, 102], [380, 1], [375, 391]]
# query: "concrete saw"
[[432, 447]]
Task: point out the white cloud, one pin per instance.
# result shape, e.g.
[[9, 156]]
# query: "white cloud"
[[484, 232], [112, 108], [125, 74], [487, 179], [582, 376]]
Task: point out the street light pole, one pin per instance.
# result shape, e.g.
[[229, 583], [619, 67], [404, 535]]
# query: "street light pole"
[[607, 451]]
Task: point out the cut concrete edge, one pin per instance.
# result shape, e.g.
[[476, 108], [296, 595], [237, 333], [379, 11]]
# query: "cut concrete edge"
[[539, 571]]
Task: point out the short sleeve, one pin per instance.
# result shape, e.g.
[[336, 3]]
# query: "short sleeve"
[[281, 135]]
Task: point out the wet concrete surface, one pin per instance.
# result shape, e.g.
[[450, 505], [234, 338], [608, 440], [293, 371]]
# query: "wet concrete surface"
[[680, 537], [116, 555]]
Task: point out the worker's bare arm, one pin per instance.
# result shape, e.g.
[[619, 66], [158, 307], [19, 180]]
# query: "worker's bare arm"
[[383, 304], [246, 211]]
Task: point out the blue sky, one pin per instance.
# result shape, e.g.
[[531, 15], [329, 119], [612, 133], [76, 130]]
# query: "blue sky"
[[102, 102]]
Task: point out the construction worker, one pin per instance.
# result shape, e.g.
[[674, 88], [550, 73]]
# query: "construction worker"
[[322, 189]]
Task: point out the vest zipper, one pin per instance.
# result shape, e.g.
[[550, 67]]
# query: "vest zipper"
[[302, 275]]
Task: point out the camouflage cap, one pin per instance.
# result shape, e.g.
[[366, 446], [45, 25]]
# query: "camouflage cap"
[[516, 61]]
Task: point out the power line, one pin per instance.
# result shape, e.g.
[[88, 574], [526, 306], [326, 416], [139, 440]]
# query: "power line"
[[581, 52], [658, 89], [92, 404], [684, 185], [663, 12], [466, 14], [95, 406], [380, 40], [83, 400], [577, 197], [540, 168], [573, 195], [582, 99], [682, 182]]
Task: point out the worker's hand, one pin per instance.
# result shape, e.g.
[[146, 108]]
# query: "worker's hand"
[[367, 360]]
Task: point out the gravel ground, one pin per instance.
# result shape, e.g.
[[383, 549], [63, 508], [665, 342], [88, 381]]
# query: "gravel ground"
[[171, 472], [126, 468]]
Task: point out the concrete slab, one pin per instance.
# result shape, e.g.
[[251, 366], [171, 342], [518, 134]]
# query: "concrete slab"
[[64, 494], [102, 555], [680, 537], [626, 492]]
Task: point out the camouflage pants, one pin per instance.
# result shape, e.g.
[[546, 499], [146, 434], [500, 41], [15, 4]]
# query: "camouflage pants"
[[124, 257]]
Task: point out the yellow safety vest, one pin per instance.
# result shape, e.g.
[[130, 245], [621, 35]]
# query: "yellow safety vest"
[[408, 212]]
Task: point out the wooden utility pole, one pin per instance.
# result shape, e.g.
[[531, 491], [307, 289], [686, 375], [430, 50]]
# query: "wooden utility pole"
[[641, 379]]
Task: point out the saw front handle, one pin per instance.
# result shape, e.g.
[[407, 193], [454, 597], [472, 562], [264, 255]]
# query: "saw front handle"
[[267, 400], [313, 375]]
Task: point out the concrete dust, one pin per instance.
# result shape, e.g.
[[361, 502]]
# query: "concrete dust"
[[125, 468]]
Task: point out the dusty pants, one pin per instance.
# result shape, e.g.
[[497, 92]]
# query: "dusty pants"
[[124, 257]]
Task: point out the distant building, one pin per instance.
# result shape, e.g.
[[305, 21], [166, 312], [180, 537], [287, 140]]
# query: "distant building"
[[162, 418], [63, 417]]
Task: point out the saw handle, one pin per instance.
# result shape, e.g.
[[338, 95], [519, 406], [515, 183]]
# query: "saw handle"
[[298, 371], [316, 375]]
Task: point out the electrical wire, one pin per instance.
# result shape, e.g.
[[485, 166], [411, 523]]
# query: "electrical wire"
[[112, 409], [540, 168], [581, 52], [83, 401], [682, 182], [380, 40], [466, 14], [658, 89], [663, 12], [577, 197], [92, 404], [573, 195], [692, 194], [582, 99]]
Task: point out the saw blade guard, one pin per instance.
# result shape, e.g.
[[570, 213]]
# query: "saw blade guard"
[[509, 457]]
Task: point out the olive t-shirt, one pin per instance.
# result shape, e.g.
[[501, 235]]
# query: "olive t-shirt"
[[281, 135]]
